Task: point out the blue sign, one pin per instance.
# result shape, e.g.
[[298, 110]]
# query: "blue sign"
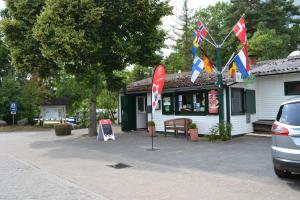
[[13, 108]]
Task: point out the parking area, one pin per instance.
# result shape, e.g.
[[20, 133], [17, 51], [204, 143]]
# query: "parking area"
[[180, 169]]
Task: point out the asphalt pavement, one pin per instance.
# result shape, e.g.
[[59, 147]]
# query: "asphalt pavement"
[[39, 165]]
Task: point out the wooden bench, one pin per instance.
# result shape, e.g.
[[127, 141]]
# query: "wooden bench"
[[176, 125], [263, 126]]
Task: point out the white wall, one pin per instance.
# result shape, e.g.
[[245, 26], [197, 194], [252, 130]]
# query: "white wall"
[[270, 94], [204, 123], [239, 121]]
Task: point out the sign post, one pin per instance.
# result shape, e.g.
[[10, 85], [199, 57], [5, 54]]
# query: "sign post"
[[13, 111]]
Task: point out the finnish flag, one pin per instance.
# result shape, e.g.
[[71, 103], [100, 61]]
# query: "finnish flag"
[[198, 65]]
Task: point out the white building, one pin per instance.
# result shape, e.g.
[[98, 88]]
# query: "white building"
[[244, 102], [53, 110]]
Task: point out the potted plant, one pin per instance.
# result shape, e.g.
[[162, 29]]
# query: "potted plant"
[[62, 129], [193, 132], [151, 128]]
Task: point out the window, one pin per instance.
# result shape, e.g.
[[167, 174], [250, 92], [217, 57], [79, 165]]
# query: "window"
[[292, 88], [191, 102], [237, 105], [289, 114], [141, 104], [167, 104]]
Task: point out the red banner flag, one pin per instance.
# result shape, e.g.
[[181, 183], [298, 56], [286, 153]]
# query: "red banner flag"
[[240, 31], [158, 81]]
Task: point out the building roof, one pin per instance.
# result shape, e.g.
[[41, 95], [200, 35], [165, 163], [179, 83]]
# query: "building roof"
[[280, 66], [183, 80], [180, 80], [54, 102]]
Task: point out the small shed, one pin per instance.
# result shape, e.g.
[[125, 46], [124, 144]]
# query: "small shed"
[[53, 110], [245, 101]]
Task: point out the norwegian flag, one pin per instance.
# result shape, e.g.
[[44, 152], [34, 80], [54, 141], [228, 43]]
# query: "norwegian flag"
[[199, 35], [201, 31], [240, 31]]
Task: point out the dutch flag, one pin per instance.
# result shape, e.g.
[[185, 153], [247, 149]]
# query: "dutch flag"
[[198, 65], [241, 62]]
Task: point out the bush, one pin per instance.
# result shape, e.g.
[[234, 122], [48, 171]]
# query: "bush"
[[151, 123], [221, 130], [62, 129], [213, 133], [193, 126], [225, 130]]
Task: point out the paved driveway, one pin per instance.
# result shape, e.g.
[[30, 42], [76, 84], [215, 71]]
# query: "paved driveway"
[[76, 167]]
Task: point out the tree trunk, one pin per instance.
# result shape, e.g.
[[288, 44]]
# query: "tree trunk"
[[93, 120]]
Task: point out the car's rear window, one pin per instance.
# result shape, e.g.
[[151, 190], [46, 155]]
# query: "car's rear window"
[[289, 114]]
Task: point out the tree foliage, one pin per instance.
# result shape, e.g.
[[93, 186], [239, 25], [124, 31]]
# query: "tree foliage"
[[268, 44], [273, 29], [5, 67], [93, 39], [24, 93], [24, 50]]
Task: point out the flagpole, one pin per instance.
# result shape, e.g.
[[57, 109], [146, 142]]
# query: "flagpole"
[[210, 42], [228, 62], [152, 149], [230, 32], [215, 44]]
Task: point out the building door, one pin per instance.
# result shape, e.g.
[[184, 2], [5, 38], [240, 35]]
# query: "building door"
[[141, 115], [128, 113]]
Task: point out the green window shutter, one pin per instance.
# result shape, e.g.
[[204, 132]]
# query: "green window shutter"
[[250, 103], [168, 104], [237, 101]]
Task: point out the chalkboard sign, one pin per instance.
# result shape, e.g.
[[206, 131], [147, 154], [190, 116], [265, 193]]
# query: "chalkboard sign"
[[105, 130]]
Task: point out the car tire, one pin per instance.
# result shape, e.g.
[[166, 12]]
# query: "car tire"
[[282, 173]]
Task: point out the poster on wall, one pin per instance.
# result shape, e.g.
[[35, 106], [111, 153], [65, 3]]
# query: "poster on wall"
[[105, 130], [167, 103], [213, 103]]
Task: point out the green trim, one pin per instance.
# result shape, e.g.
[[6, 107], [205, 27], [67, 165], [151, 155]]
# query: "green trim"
[[171, 107], [228, 111], [191, 113], [242, 100]]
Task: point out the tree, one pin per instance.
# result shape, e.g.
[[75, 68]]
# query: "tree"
[[275, 16], [5, 67], [182, 58], [24, 93], [279, 15], [109, 101], [174, 62], [92, 40], [24, 50], [9, 92], [73, 90], [268, 44]]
